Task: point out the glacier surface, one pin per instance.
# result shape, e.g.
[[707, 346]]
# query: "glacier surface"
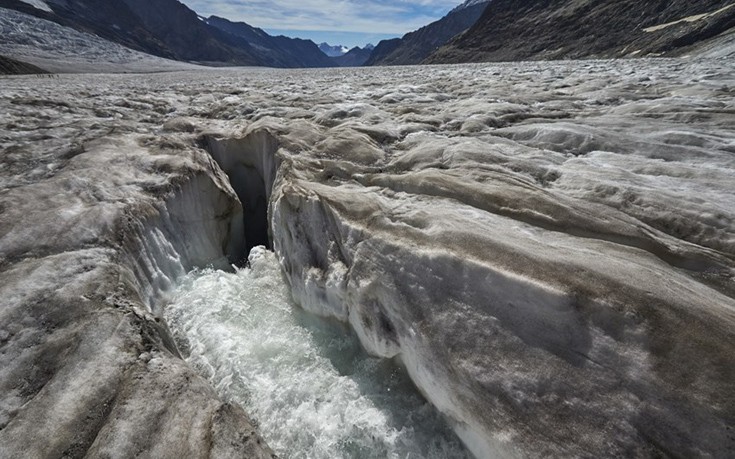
[[548, 248], [56, 48]]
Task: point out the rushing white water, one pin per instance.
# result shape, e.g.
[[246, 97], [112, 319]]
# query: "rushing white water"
[[305, 381]]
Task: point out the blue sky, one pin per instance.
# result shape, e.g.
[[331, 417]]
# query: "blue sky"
[[342, 22]]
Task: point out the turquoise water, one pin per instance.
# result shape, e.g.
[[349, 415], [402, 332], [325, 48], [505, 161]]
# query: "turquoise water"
[[305, 381]]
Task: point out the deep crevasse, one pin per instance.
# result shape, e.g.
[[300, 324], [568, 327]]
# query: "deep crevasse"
[[306, 381]]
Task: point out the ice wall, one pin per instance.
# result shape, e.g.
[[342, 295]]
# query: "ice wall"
[[531, 336], [251, 165], [538, 323], [89, 251]]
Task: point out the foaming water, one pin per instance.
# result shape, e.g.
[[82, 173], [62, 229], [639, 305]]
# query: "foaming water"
[[305, 381]]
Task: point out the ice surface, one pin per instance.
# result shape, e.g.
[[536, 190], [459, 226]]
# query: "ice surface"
[[548, 248]]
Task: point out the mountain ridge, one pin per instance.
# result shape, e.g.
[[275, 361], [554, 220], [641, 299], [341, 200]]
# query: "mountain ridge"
[[172, 30], [164, 28], [416, 46], [275, 51], [577, 29], [356, 57]]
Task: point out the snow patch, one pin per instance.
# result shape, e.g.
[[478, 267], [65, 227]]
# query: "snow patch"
[[39, 4], [694, 18]]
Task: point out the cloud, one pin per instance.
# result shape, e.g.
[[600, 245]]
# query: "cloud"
[[375, 16]]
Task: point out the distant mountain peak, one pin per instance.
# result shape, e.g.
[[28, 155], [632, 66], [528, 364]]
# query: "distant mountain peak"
[[416, 46], [355, 57], [333, 50]]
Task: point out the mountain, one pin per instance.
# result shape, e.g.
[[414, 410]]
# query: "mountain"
[[189, 37], [570, 29], [164, 28], [416, 46], [356, 57], [382, 50], [60, 49], [272, 51], [333, 51], [169, 29], [113, 21]]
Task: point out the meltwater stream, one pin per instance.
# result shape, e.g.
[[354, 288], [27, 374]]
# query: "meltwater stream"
[[306, 382]]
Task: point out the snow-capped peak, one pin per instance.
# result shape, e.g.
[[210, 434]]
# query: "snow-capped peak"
[[333, 51]]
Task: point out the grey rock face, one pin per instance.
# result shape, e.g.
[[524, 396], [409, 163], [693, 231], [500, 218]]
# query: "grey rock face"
[[58, 49], [188, 37], [169, 29]]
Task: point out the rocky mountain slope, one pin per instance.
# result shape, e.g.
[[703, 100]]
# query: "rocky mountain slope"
[[164, 28], [190, 38], [382, 50], [273, 51], [416, 46], [355, 57], [169, 29], [570, 29]]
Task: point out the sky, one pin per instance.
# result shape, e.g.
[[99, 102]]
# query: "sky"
[[341, 22]]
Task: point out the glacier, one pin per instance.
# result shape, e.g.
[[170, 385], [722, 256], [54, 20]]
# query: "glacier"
[[56, 48], [546, 248]]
